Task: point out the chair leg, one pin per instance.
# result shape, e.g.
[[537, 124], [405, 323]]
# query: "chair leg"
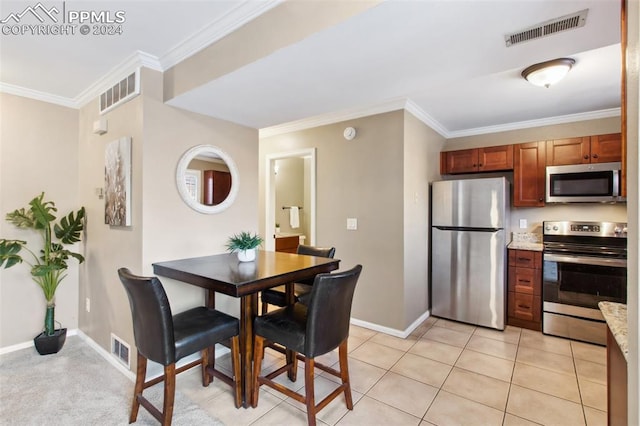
[[344, 373], [169, 393], [235, 364], [258, 354], [309, 389], [265, 308], [141, 373], [206, 377]]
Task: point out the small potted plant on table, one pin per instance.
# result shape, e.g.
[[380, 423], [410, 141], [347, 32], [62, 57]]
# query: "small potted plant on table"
[[245, 245], [48, 267]]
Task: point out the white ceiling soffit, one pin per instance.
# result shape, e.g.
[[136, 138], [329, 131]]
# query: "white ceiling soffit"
[[406, 53], [162, 36]]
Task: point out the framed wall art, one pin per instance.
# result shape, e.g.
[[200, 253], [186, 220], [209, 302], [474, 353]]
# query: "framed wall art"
[[117, 182]]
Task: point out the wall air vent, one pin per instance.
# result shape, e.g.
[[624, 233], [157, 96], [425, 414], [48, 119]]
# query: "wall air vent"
[[120, 350], [563, 23], [120, 93]]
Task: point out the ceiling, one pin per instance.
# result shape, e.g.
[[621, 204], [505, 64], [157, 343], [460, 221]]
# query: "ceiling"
[[444, 60]]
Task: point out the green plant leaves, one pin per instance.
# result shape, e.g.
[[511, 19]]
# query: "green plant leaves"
[[21, 218], [70, 227], [243, 241], [9, 250], [42, 211]]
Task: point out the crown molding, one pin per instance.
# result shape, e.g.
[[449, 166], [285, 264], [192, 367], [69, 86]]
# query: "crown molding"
[[426, 119], [37, 95], [231, 21], [561, 119], [134, 61], [331, 118]]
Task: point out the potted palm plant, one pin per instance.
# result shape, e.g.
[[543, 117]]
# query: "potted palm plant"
[[49, 266], [245, 245]]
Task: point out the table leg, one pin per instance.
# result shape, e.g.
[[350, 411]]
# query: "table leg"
[[210, 302], [248, 312], [289, 354]]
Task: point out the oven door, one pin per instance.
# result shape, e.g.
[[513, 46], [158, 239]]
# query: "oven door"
[[583, 281]]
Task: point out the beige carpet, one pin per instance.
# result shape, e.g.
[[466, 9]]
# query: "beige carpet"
[[77, 387]]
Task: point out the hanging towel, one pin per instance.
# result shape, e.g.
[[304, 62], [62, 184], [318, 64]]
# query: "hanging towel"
[[294, 217]]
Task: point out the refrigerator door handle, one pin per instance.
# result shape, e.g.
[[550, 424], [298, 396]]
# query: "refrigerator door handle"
[[457, 228]]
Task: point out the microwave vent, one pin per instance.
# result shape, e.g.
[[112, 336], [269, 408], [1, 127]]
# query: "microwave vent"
[[547, 28]]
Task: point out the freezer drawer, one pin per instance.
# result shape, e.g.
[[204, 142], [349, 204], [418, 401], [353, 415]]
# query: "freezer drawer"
[[470, 203], [468, 281]]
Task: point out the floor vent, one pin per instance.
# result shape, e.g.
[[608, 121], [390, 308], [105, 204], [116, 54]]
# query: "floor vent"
[[120, 93], [563, 23], [120, 350]]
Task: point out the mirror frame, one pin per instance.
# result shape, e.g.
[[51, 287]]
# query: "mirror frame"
[[182, 188]]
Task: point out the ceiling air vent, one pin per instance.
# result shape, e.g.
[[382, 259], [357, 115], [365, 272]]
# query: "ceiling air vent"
[[120, 93], [563, 23]]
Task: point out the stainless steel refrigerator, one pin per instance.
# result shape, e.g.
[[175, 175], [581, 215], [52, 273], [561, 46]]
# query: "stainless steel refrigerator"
[[469, 228]]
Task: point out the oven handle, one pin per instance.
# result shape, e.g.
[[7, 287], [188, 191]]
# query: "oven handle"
[[586, 260]]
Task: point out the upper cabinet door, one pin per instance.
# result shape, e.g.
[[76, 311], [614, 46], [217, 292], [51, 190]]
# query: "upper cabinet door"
[[529, 174], [463, 161], [568, 151], [606, 148], [495, 158]]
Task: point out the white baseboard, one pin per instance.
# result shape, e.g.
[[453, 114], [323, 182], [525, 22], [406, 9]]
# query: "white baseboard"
[[392, 331], [29, 344], [153, 369]]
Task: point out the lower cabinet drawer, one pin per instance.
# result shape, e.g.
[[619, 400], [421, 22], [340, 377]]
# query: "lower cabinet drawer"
[[524, 306], [525, 280]]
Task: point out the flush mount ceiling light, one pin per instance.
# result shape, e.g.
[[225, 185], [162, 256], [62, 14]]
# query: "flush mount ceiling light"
[[547, 73]]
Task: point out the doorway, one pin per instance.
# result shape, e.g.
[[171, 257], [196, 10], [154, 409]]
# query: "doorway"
[[274, 212]]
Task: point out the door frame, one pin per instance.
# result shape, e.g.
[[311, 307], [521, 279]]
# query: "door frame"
[[270, 194]]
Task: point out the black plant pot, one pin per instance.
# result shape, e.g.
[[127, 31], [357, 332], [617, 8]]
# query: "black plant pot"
[[46, 345]]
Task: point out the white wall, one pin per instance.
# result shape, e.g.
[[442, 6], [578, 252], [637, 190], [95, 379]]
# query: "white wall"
[[38, 152], [163, 227]]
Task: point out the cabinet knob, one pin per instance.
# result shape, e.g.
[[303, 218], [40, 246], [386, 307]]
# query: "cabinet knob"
[[586, 157], [480, 165], [595, 155]]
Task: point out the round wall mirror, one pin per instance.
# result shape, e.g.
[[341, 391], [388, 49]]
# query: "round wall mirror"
[[207, 179]]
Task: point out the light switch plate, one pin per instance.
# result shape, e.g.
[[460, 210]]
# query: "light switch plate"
[[523, 223], [352, 223]]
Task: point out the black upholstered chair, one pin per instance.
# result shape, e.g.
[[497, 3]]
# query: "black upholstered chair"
[[301, 290], [310, 331], [165, 339]]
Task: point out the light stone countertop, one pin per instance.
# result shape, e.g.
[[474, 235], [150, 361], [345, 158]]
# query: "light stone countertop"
[[526, 241], [525, 245], [615, 314]]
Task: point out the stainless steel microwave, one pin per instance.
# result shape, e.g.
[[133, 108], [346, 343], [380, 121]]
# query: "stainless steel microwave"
[[584, 183]]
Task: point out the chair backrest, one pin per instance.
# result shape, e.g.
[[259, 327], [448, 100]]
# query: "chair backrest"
[[152, 319], [329, 310], [315, 251]]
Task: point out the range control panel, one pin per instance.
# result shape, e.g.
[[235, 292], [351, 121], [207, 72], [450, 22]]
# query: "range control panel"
[[587, 229]]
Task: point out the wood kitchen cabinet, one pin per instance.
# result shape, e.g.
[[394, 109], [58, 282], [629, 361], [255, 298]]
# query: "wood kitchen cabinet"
[[529, 160], [489, 159], [616, 383], [524, 302], [216, 187], [287, 244], [584, 150]]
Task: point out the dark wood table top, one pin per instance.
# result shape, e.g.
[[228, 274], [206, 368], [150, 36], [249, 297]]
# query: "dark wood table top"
[[223, 273]]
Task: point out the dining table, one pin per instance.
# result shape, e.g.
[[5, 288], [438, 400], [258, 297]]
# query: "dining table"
[[225, 274]]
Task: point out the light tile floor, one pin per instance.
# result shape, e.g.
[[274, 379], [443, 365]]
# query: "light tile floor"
[[444, 373]]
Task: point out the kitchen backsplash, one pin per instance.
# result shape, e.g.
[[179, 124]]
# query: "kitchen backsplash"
[[526, 237], [591, 212]]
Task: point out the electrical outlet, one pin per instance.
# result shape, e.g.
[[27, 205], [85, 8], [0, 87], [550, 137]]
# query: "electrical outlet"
[[523, 223], [352, 223], [87, 304]]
